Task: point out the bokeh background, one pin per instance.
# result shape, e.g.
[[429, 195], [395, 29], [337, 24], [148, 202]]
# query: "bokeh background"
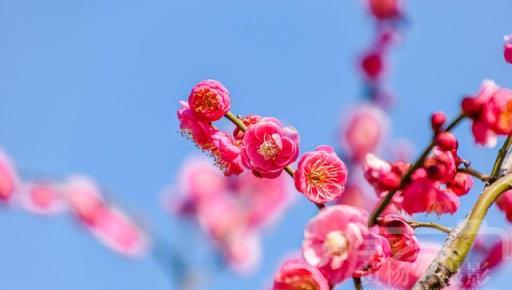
[[93, 86]]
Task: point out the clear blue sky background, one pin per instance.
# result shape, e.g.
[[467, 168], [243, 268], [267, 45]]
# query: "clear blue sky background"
[[92, 86]]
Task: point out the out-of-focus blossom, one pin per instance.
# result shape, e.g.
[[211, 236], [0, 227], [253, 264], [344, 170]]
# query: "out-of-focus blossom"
[[426, 195], [446, 141], [401, 238], [403, 275], [198, 130], [8, 177], [440, 166], [373, 65], [356, 196], [507, 49], [371, 255], [42, 197], [437, 121], [363, 131], [332, 240], [267, 147], [504, 203], [385, 9], [108, 224], [248, 121], [321, 175], [296, 274], [209, 100], [489, 110], [226, 154], [461, 183]]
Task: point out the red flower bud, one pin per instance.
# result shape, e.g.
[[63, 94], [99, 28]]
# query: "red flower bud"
[[437, 121], [446, 141]]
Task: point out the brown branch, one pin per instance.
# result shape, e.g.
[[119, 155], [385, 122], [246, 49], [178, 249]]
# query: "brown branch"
[[416, 224], [358, 285], [475, 173]]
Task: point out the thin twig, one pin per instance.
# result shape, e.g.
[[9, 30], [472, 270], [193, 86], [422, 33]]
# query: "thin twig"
[[475, 173], [406, 178], [500, 158], [235, 120], [358, 285], [416, 224]]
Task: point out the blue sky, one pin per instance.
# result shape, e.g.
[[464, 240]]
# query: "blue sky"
[[92, 86]]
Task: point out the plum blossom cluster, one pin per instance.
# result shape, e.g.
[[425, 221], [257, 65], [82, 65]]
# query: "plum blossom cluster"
[[491, 113], [434, 187], [339, 245], [259, 144], [82, 198], [231, 211]]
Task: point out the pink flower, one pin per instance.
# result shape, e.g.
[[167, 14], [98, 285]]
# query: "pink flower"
[[437, 121], [267, 147], [507, 49], [441, 166], [371, 255], [332, 240], [425, 195], [403, 275], [364, 131], [401, 238], [372, 65], [296, 274], [321, 175], [226, 154], [460, 184], [385, 9], [42, 197], [84, 198], [382, 175], [248, 121], [497, 112], [198, 130], [504, 203], [8, 177], [446, 141], [209, 100]]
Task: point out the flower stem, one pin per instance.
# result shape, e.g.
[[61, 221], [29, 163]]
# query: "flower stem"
[[407, 176], [235, 120], [500, 158], [416, 224], [358, 285], [475, 173]]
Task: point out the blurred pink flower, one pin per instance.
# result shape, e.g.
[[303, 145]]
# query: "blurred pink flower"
[[267, 147], [373, 65], [356, 196], [385, 9], [403, 275], [497, 112], [504, 203], [209, 100], [296, 274], [371, 255], [332, 240], [401, 238], [364, 130], [84, 198], [321, 175], [198, 130], [9, 181], [425, 195], [461, 184], [42, 197], [507, 48]]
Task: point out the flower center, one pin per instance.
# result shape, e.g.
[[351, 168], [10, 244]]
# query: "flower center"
[[321, 174], [505, 118], [269, 149], [206, 101], [336, 244], [301, 282]]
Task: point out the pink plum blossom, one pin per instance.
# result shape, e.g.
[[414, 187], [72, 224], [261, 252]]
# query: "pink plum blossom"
[[400, 235], [385, 9], [42, 197], [371, 255], [267, 147], [8, 177], [507, 49], [364, 130], [461, 184], [296, 274], [321, 175], [84, 198], [209, 100], [198, 130], [226, 154], [332, 240], [504, 203]]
